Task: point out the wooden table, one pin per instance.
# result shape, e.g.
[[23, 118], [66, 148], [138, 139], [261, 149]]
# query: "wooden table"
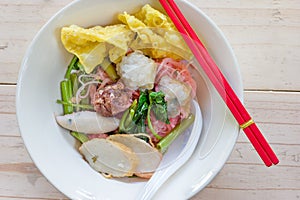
[[265, 35]]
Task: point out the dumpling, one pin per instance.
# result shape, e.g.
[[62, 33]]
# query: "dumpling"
[[92, 45], [157, 36]]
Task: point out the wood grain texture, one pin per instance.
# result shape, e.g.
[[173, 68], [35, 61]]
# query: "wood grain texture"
[[267, 30], [265, 36], [243, 174]]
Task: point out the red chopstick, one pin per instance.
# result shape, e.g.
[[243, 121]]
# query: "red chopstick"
[[221, 84]]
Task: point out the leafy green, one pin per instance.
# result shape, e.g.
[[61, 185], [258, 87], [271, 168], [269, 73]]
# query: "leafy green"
[[159, 106], [142, 107], [140, 114], [134, 119]]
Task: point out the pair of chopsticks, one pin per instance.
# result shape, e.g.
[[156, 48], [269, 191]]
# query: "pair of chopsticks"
[[220, 83]]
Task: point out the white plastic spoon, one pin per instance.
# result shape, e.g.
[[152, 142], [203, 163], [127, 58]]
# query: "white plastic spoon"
[[173, 159]]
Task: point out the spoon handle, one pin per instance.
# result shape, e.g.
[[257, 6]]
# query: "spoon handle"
[[164, 172]]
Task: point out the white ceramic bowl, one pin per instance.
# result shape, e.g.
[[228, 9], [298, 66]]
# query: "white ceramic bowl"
[[52, 149]]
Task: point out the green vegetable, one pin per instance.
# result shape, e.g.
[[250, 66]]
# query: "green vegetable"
[[122, 126], [68, 88], [80, 136], [66, 94], [159, 106], [108, 67], [126, 123], [79, 66], [143, 137], [75, 83], [83, 106], [180, 128], [151, 127], [140, 114], [134, 119], [71, 67], [142, 106]]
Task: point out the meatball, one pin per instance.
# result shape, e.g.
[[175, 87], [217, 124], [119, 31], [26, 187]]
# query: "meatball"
[[112, 99]]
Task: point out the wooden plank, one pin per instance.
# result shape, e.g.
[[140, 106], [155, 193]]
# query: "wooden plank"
[[270, 36], [210, 193], [21, 19], [12, 150], [17, 167], [252, 29], [274, 108], [244, 153], [271, 99], [7, 99], [257, 4], [19, 177], [35, 13], [277, 133], [249, 16], [35, 2], [257, 177], [24, 198], [9, 125], [8, 122], [26, 184], [271, 17], [270, 67]]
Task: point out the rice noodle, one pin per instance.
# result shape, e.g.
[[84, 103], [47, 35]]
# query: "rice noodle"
[[83, 86], [96, 78], [86, 76]]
